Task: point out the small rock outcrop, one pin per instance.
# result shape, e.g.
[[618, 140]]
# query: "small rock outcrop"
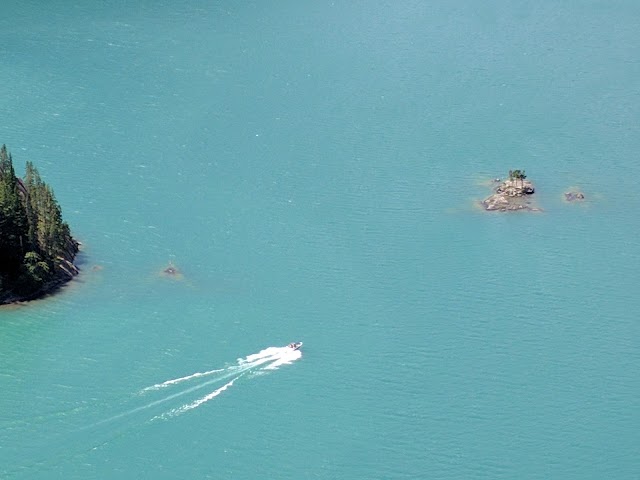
[[171, 271], [511, 194]]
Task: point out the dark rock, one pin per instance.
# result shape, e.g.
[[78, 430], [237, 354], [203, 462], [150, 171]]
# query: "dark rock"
[[171, 270]]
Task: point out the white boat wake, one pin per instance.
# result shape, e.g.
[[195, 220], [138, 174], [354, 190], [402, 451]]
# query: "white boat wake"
[[266, 360], [174, 381]]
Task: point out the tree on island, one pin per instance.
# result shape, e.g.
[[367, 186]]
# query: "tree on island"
[[36, 246], [515, 175]]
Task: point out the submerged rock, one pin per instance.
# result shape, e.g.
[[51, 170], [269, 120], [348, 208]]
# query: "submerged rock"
[[573, 196], [172, 271]]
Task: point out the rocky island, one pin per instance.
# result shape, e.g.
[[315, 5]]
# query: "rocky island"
[[37, 250], [511, 194]]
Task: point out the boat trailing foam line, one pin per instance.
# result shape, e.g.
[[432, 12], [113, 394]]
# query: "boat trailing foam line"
[[264, 361]]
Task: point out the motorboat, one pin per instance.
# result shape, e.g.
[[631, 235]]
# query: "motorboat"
[[295, 345]]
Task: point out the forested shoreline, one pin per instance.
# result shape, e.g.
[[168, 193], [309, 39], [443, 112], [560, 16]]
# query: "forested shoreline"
[[36, 247]]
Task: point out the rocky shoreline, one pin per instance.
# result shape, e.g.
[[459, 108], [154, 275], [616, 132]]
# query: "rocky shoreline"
[[66, 270]]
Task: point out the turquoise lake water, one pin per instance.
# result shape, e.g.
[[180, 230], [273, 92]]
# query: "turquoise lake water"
[[314, 169]]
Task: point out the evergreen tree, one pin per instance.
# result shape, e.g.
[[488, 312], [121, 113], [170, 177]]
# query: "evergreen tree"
[[35, 268], [522, 177], [13, 215], [32, 178], [48, 233]]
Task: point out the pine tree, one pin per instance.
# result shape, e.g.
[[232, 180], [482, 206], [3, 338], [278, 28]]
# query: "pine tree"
[[13, 215], [32, 178]]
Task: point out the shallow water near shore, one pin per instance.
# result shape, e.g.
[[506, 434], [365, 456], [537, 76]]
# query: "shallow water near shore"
[[314, 173]]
